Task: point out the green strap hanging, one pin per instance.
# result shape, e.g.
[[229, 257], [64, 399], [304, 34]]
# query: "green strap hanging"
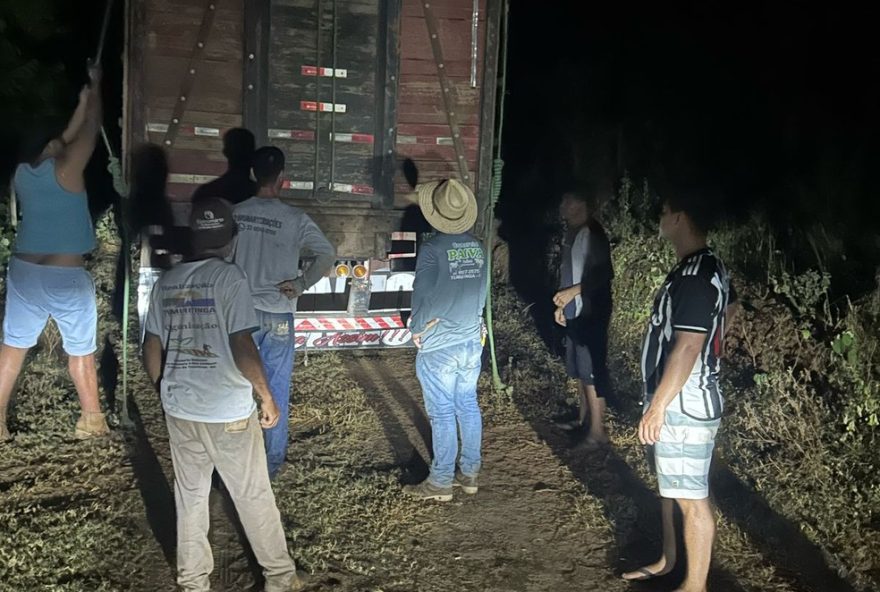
[[119, 185], [495, 192]]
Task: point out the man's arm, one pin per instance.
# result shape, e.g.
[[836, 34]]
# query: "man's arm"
[[247, 360], [152, 353], [566, 295], [82, 143], [423, 286], [313, 241], [78, 117], [685, 350]]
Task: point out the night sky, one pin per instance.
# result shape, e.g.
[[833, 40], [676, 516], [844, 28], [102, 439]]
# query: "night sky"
[[741, 94], [767, 106]]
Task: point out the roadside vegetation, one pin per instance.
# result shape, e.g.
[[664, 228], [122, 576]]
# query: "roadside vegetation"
[[801, 376]]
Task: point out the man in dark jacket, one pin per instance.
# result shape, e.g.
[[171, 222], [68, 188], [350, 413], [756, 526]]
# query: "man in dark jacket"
[[584, 309]]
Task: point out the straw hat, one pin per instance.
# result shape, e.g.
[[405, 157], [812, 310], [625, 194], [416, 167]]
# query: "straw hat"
[[449, 206]]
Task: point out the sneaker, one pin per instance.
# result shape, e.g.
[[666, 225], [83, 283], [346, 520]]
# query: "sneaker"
[[467, 483], [91, 425], [428, 491], [299, 581]]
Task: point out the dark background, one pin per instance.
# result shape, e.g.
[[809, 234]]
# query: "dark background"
[[755, 107], [758, 106]]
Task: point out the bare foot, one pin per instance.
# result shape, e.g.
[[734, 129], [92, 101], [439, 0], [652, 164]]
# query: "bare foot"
[[5, 436], [654, 570], [685, 588], [598, 440]]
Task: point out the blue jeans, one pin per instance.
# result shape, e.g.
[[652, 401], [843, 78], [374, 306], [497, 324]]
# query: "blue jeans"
[[275, 341], [449, 384]]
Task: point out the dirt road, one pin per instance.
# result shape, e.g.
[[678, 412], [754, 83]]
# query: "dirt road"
[[547, 516]]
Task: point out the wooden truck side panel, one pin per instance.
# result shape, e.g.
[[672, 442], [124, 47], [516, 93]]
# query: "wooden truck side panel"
[[196, 68]]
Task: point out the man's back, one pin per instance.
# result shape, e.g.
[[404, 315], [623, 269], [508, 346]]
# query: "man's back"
[[195, 307], [271, 236], [450, 286]]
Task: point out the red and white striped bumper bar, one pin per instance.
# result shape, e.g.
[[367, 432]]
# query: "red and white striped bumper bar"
[[348, 323]]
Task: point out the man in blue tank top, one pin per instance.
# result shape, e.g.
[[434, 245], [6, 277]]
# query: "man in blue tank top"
[[449, 294], [46, 276]]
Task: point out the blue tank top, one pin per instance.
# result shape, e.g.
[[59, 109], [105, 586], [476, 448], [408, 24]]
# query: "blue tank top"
[[53, 219]]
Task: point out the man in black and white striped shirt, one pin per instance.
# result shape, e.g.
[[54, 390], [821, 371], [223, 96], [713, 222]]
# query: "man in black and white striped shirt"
[[683, 402]]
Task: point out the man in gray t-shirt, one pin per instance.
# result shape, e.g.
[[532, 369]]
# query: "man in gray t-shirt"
[[200, 355], [272, 238], [449, 294]]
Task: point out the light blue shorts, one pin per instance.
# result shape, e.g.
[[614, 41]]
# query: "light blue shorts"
[[683, 455], [36, 292]]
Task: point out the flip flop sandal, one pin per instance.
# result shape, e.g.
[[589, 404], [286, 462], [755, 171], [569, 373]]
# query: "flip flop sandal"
[[569, 426], [646, 575]]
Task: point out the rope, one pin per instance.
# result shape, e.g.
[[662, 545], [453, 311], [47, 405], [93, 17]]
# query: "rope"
[[119, 185], [115, 168], [100, 53], [494, 194]]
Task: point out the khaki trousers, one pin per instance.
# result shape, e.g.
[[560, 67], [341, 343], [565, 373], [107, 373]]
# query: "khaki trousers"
[[236, 450]]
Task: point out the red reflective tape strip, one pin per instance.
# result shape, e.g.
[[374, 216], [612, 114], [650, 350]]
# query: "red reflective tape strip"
[[190, 179], [212, 132], [188, 130], [325, 72], [433, 140], [339, 187], [301, 185], [403, 236], [355, 189], [292, 134], [353, 138], [323, 107], [348, 323], [401, 255]]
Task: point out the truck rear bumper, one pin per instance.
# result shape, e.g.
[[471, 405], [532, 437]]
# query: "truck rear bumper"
[[335, 332]]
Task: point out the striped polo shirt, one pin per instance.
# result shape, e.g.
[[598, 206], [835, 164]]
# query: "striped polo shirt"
[[694, 298]]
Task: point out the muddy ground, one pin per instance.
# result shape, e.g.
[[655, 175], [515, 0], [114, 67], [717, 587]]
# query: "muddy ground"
[[548, 516]]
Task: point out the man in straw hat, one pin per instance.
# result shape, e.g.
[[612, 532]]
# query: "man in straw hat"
[[449, 294], [200, 355]]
